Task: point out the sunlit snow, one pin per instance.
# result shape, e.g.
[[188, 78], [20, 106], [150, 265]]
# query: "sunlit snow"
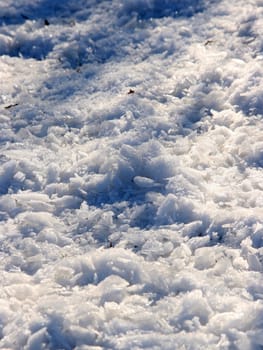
[[131, 182]]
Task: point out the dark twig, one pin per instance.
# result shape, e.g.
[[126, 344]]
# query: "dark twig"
[[10, 106]]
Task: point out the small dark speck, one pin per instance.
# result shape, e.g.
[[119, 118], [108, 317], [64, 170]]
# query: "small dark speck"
[[24, 16], [131, 92], [46, 22], [208, 42], [10, 106]]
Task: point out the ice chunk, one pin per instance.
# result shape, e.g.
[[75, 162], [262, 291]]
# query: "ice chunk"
[[144, 182]]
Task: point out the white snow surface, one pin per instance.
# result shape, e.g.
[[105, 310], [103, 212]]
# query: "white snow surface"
[[131, 181]]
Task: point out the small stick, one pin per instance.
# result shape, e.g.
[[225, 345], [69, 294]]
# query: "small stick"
[[208, 42], [10, 106]]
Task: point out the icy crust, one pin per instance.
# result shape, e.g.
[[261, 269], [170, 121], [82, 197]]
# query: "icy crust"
[[131, 175]]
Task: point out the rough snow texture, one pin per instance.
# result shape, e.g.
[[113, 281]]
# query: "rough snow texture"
[[131, 174]]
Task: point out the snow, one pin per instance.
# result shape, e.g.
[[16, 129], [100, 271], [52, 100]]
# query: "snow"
[[131, 174]]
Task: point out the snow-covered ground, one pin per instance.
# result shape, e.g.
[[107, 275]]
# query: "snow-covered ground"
[[131, 174]]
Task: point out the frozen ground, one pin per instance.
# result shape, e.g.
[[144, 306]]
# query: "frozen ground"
[[131, 174]]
